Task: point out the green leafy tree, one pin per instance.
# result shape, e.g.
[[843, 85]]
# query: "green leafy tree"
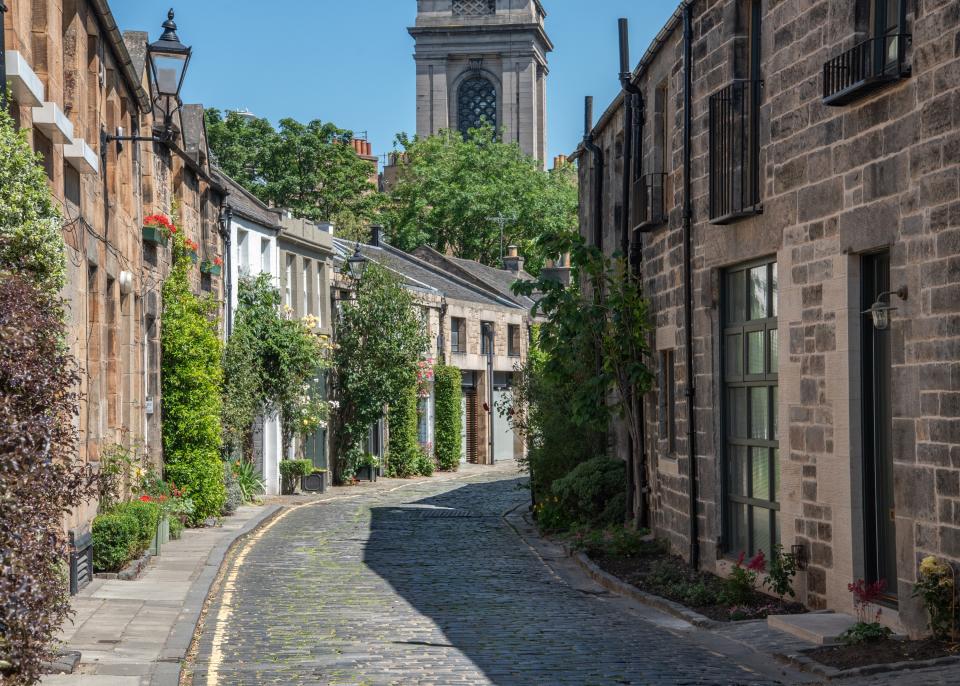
[[191, 377], [269, 364], [380, 339], [310, 169], [31, 242], [448, 417], [449, 187]]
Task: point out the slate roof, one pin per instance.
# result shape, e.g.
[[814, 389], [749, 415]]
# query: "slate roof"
[[420, 274], [247, 205], [496, 280]]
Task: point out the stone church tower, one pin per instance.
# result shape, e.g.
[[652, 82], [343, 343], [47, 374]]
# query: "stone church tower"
[[483, 59]]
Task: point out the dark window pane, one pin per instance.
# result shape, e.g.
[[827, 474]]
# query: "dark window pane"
[[762, 535], [760, 473], [736, 293], [738, 470], [476, 104], [737, 412], [774, 294], [759, 413], [735, 356], [774, 352], [756, 357], [739, 530], [758, 292]]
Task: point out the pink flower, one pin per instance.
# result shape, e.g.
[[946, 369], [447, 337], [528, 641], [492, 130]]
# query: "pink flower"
[[758, 563]]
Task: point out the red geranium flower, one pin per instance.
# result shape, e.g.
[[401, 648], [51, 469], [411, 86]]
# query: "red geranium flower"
[[145, 498], [758, 563]]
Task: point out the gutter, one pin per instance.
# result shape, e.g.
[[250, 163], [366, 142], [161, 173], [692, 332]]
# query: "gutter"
[[120, 52]]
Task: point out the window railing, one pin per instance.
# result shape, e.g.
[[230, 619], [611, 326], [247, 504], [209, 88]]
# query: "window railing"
[[649, 201], [865, 67], [735, 151]]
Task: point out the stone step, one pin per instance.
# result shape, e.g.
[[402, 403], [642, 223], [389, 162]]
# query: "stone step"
[[821, 628]]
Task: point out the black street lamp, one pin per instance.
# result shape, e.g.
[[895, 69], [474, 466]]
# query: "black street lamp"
[[357, 264], [168, 59]]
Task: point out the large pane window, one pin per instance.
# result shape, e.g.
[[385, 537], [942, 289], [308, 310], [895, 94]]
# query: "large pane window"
[[750, 407], [458, 335]]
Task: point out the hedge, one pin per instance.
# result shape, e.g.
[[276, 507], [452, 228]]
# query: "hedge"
[[147, 516], [116, 539], [448, 417], [404, 451]]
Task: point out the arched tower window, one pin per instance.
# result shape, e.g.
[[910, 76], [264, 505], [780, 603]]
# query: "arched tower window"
[[474, 8], [476, 103]]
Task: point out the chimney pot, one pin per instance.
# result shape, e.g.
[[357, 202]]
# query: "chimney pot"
[[512, 251]]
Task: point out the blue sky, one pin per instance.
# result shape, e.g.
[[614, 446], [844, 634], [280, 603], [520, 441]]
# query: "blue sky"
[[351, 62]]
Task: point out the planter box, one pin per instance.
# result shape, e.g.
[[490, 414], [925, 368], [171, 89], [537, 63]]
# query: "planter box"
[[314, 483], [366, 473], [154, 236], [163, 531], [211, 269], [194, 257], [156, 544]]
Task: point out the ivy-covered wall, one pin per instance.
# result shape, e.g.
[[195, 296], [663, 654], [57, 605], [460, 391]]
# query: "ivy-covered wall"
[[448, 417]]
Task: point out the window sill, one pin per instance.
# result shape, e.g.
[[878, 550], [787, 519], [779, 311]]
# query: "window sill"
[[732, 217], [863, 88]]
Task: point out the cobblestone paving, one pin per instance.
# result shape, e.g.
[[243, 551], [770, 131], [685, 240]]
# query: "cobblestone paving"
[[428, 585]]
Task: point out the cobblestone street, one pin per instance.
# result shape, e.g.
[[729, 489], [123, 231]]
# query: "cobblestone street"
[[427, 584]]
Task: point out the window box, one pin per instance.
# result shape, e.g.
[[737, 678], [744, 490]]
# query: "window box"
[[366, 473], [735, 151], [155, 235], [211, 268], [864, 68]]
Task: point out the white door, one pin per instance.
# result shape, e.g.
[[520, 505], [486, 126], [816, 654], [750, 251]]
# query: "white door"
[[463, 429], [502, 431]]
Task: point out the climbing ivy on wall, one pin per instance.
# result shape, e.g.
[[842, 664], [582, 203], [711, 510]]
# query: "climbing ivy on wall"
[[448, 417], [191, 377]]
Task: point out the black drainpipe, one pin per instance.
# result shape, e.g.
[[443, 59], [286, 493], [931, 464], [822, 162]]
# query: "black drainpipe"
[[631, 96], [598, 173], [225, 231], [688, 293], [3, 59]]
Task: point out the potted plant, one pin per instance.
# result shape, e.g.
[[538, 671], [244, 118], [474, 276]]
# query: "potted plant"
[[367, 467], [193, 249], [315, 481], [157, 229], [212, 267], [291, 472]]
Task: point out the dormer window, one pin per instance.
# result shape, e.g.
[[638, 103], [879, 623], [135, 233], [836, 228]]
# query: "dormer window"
[[474, 8]]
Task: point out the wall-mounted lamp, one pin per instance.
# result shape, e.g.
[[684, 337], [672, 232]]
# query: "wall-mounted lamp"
[[357, 263], [880, 310], [126, 283]]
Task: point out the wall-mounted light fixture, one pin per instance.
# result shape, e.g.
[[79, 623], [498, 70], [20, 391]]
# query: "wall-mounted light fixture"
[[880, 310], [357, 264]]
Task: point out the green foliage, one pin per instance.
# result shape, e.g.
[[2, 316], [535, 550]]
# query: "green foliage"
[[865, 632], [250, 485], [591, 493], [116, 540], [403, 456], [235, 496], [294, 469], [31, 241], [191, 378], [936, 588], [309, 168], [782, 569], [448, 421], [425, 464], [616, 541], [740, 587], [147, 516], [449, 186], [176, 528], [269, 365], [380, 340]]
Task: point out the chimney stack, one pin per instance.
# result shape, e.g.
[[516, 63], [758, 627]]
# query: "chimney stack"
[[558, 270], [513, 262], [376, 236], [559, 161]]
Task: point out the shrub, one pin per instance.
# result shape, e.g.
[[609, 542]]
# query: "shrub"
[[31, 242], [739, 587], [247, 479], [448, 419], [191, 376], [616, 541], [425, 463], [783, 567], [147, 515], [935, 587], [234, 491], [404, 451], [40, 475], [291, 471], [592, 493], [176, 528], [116, 540]]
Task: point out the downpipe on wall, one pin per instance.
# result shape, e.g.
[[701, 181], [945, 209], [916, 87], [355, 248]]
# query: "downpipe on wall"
[[690, 390]]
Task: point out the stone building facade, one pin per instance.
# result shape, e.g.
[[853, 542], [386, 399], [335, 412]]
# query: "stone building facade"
[[73, 77], [483, 59], [823, 162]]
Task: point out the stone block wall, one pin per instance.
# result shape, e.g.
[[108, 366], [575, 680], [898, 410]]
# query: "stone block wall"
[[837, 183]]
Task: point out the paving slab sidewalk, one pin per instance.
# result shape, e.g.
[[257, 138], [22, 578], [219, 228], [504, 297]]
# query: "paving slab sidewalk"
[[136, 633]]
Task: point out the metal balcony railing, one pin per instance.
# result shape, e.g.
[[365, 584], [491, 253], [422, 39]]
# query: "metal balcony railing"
[[649, 201], [865, 67], [735, 151]]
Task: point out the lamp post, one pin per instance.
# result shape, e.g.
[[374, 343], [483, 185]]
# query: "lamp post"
[[168, 59], [357, 264]]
